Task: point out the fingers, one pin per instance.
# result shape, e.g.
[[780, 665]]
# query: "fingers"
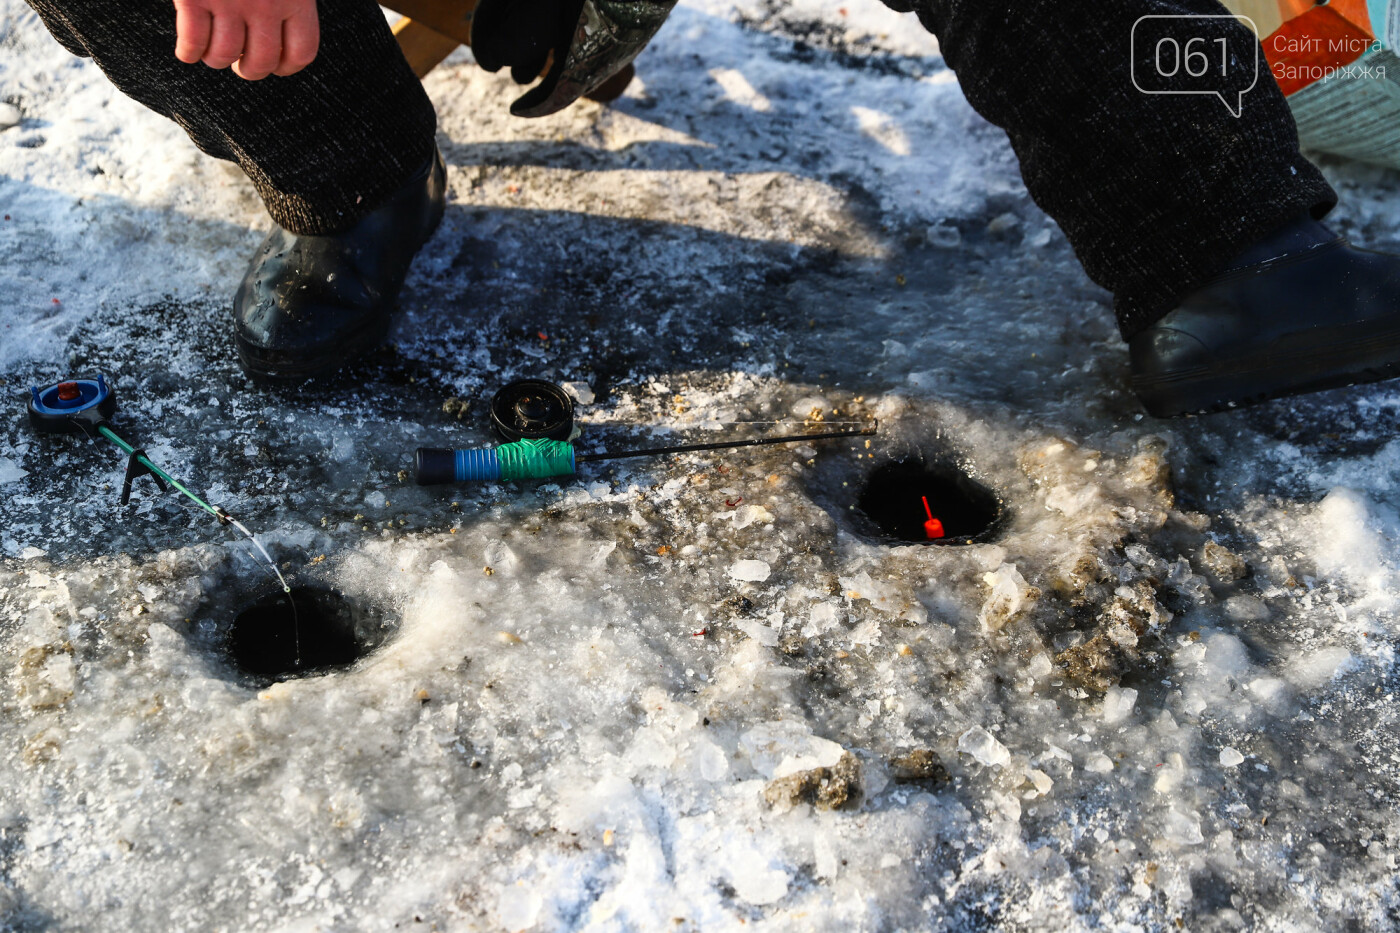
[[301, 38], [262, 50], [256, 37], [193, 24], [226, 42]]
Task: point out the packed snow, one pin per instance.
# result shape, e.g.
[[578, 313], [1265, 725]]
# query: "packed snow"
[[685, 693]]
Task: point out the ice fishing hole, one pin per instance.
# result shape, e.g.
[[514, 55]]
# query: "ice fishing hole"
[[328, 630], [892, 499]]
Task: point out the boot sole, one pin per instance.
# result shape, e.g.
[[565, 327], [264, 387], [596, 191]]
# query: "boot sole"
[[266, 372], [1273, 374]]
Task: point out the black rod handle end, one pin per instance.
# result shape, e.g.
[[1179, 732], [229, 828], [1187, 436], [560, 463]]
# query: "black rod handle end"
[[433, 466]]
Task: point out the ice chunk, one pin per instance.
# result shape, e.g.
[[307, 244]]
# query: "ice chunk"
[[783, 747], [1098, 763], [866, 633], [1071, 502], [581, 391], [750, 571], [518, 907], [1312, 669], [1184, 829], [1118, 703], [765, 635], [710, 760], [500, 558], [1229, 757], [1246, 609], [9, 470], [1003, 224], [1271, 691], [823, 617], [746, 515], [1040, 666], [9, 116], [863, 586], [754, 877], [1170, 774], [982, 745], [944, 236], [1009, 595]]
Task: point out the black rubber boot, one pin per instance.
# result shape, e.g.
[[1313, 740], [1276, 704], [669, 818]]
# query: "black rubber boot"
[[310, 304], [1301, 311]]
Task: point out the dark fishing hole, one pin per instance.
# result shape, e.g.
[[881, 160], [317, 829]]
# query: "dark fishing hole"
[[892, 497], [327, 631]]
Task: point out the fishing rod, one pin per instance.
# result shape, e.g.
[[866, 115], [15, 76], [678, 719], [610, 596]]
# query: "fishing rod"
[[535, 420], [83, 406]]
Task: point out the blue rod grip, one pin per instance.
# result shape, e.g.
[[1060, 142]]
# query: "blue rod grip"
[[480, 464], [435, 465]]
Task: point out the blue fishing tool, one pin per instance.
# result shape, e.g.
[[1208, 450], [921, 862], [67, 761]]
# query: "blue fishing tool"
[[83, 406]]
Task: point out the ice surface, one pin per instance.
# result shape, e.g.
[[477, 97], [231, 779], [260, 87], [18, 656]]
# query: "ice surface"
[[1164, 697]]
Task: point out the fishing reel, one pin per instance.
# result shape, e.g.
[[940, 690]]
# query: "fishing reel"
[[82, 406], [532, 409], [71, 406], [534, 420]]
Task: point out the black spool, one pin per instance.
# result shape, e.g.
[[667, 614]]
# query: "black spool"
[[531, 409]]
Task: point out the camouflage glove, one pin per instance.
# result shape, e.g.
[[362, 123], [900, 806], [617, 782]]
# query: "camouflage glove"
[[591, 40]]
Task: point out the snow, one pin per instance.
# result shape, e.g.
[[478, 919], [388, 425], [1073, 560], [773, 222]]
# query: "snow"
[[1164, 697]]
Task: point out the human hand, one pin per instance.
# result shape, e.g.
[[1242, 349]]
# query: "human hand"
[[257, 37]]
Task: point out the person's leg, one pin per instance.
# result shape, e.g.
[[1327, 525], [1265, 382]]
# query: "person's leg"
[[1156, 193], [324, 147]]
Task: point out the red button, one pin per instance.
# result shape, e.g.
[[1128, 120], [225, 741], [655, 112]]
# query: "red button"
[[68, 392]]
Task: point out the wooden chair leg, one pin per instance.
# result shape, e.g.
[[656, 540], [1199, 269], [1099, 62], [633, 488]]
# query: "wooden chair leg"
[[449, 17], [423, 46]]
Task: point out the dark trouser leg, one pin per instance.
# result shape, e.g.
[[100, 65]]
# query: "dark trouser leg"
[[1156, 193], [324, 147]]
